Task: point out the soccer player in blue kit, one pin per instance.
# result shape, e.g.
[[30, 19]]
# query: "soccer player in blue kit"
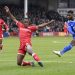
[[71, 29]]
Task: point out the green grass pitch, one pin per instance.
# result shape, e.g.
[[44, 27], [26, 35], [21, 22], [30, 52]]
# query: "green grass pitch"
[[53, 65]]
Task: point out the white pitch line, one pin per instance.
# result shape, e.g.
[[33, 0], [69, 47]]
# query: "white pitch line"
[[8, 60], [42, 61], [59, 42]]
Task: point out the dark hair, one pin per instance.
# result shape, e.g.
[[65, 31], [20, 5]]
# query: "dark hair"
[[70, 16], [23, 21], [70, 11]]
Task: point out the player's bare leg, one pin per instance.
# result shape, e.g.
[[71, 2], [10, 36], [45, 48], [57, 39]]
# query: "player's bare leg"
[[35, 56], [1, 45], [20, 61]]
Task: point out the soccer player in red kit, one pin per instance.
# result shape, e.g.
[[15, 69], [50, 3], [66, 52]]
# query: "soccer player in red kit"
[[2, 24], [25, 32], [65, 29]]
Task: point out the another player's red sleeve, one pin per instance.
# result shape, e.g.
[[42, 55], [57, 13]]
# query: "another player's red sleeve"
[[3, 23], [33, 28]]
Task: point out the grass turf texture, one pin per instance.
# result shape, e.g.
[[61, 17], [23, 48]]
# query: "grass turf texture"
[[53, 65]]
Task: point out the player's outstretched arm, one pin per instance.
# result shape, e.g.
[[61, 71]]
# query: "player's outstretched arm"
[[45, 24], [9, 13]]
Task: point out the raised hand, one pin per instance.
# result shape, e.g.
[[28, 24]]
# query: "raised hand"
[[6, 8]]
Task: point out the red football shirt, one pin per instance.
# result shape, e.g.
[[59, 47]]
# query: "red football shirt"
[[1, 24], [65, 27], [25, 33]]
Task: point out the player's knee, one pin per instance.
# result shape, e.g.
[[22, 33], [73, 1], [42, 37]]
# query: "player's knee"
[[1, 46], [19, 63], [19, 59], [29, 47]]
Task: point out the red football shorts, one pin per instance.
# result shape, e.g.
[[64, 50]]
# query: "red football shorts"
[[22, 48]]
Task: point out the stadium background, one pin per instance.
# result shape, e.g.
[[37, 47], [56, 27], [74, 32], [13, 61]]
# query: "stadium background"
[[39, 11]]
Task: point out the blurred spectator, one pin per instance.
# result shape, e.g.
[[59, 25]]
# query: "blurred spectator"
[[37, 15]]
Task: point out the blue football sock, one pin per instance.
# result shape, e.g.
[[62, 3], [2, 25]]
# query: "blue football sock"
[[67, 48]]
